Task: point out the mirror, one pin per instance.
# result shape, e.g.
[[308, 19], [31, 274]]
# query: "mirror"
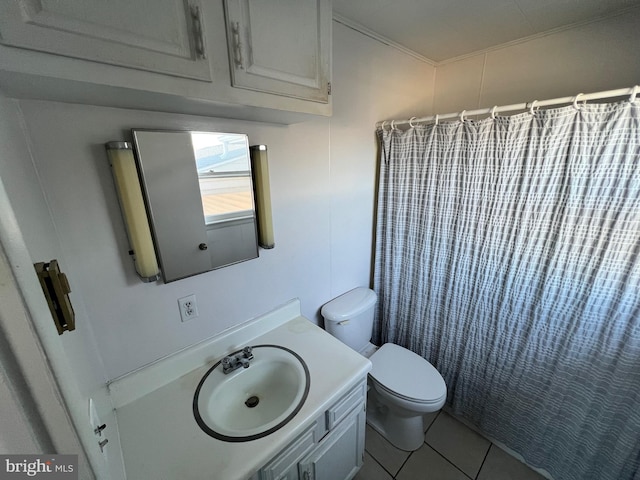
[[199, 195]]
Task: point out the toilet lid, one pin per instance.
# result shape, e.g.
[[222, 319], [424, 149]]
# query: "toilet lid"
[[407, 374]]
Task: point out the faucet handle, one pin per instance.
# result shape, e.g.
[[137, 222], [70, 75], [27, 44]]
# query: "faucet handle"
[[247, 351]]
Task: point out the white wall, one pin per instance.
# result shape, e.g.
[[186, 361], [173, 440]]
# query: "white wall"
[[318, 186], [373, 82], [597, 56], [136, 323]]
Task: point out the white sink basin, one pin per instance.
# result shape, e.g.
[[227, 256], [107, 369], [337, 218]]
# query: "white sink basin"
[[253, 402]]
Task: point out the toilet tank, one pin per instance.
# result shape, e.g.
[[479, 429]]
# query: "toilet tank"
[[349, 317]]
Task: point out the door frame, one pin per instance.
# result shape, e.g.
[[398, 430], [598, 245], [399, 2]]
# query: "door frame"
[[49, 399]]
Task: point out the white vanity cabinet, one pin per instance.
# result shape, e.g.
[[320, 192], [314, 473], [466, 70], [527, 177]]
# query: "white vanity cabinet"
[[324, 440], [331, 448], [185, 56]]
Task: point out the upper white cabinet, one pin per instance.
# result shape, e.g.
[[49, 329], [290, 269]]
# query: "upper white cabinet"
[[263, 60], [163, 36], [280, 46]]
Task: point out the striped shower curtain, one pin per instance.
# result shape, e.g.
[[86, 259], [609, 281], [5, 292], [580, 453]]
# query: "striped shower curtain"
[[508, 255]]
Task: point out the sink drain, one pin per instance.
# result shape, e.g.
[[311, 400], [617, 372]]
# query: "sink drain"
[[252, 401]]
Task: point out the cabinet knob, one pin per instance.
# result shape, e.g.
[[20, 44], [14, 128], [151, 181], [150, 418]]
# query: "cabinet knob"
[[203, 246]]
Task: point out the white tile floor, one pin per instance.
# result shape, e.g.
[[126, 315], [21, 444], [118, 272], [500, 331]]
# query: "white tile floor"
[[451, 451]]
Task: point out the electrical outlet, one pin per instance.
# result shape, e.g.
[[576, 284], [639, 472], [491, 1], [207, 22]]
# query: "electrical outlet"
[[188, 307]]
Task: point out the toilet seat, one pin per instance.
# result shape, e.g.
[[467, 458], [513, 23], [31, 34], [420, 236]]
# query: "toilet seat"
[[417, 403], [404, 374]]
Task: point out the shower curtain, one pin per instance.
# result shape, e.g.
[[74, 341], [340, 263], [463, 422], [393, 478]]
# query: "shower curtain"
[[508, 255]]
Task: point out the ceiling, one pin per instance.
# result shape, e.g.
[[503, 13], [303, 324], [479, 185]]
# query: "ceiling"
[[445, 29]]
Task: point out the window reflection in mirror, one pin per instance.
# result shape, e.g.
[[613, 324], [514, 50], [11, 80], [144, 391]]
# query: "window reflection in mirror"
[[224, 176]]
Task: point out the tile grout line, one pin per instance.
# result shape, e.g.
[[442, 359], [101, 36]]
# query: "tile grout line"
[[394, 477], [403, 464], [431, 424], [484, 460], [381, 466], [445, 458], [450, 462], [423, 443]]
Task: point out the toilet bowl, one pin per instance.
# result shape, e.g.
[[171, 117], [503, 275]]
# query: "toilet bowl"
[[403, 386]]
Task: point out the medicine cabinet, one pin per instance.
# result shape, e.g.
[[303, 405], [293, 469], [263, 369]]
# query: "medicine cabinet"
[[199, 194]]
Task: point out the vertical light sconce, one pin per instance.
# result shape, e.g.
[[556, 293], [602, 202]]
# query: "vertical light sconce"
[[125, 175], [260, 170]]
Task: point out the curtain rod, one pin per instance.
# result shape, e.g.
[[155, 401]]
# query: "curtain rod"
[[518, 106]]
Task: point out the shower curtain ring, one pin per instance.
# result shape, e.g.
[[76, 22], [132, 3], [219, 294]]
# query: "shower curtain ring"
[[575, 101], [437, 116], [462, 115], [383, 123], [533, 104], [493, 112], [634, 91], [393, 125], [411, 120]]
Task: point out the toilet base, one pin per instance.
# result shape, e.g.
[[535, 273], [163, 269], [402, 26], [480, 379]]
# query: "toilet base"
[[403, 432]]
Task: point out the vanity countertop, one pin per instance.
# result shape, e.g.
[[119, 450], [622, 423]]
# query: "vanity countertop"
[[159, 435]]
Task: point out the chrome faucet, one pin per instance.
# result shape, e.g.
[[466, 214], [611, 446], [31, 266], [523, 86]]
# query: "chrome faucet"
[[240, 359]]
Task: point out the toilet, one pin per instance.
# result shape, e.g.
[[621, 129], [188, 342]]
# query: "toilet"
[[403, 386]]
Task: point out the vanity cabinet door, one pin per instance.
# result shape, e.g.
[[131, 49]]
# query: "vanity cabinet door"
[[163, 36], [285, 465], [280, 46], [340, 454]]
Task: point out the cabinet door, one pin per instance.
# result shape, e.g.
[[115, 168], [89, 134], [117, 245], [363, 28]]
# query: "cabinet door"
[[284, 466], [280, 46], [168, 170], [162, 36], [339, 455]]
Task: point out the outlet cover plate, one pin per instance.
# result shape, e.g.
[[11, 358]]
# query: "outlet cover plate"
[[188, 308]]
